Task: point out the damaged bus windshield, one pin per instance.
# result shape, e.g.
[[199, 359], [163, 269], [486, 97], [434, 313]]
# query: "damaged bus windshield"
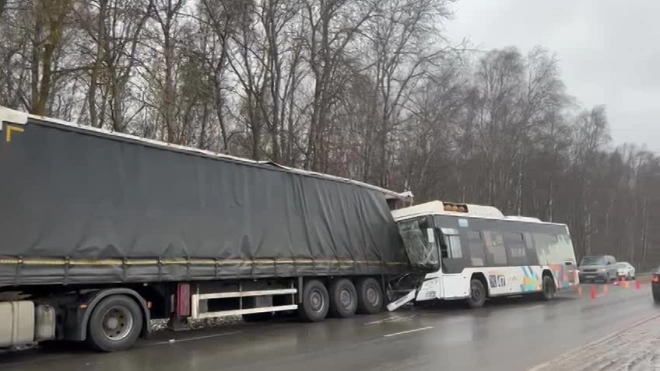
[[420, 243]]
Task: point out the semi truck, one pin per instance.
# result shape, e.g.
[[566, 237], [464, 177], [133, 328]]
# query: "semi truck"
[[101, 232]]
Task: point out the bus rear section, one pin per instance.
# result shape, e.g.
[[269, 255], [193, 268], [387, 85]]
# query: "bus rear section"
[[480, 253]]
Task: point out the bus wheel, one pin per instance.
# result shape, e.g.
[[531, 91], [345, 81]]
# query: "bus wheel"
[[315, 302], [370, 296], [115, 324], [477, 294], [548, 288], [343, 298]]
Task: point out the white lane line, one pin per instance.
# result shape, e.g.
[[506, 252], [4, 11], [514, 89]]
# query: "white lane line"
[[393, 318], [408, 332], [172, 341], [535, 307]]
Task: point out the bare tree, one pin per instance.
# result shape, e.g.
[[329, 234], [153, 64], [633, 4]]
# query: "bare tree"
[[282, 63], [247, 60], [332, 26], [402, 36], [167, 31], [499, 80], [37, 32], [222, 18], [3, 5], [114, 28]]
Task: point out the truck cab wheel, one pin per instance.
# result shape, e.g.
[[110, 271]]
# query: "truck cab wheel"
[[343, 298], [370, 296], [115, 324], [315, 302]]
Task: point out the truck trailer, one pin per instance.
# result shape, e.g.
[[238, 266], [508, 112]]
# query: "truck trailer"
[[101, 232]]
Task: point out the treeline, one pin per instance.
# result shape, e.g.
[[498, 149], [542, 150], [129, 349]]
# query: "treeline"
[[366, 89]]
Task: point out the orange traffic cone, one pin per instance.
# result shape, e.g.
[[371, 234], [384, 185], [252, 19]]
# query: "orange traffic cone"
[[606, 288], [626, 284], [594, 293], [638, 285], [579, 289]]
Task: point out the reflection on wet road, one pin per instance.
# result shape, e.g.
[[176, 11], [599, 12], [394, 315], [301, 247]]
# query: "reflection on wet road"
[[509, 334]]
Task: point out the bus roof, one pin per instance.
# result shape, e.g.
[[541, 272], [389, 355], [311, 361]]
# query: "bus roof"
[[21, 118], [460, 210], [446, 208]]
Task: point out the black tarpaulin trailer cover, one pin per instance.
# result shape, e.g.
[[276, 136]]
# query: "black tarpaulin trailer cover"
[[78, 207]]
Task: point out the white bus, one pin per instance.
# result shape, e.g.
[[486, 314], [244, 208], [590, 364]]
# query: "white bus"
[[475, 253]]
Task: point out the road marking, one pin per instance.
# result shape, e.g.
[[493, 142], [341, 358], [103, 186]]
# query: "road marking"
[[409, 331], [172, 341], [390, 319], [382, 320], [593, 343], [535, 307]]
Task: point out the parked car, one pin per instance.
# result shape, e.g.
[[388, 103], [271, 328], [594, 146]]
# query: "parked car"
[[598, 268], [626, 271]]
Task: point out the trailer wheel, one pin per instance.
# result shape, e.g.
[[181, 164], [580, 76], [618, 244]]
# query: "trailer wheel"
[[115, 324], [370, 296], [343, 298], [315, 302]]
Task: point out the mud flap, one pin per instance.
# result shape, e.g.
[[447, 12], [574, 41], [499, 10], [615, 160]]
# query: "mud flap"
[[401, 301]]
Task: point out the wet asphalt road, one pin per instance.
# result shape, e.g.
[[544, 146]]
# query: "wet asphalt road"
[[508, 334]]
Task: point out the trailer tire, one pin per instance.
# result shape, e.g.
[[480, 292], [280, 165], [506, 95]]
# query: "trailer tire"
[[315, 302], [370, 296], [115, 324], [343, 298]]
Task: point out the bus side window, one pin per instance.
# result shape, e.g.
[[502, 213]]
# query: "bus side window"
[[477, 249], [532, 256], [444, 249], [529, 241], [455, 248], [496, 252], [543, 243], [451, 248], [515, 246]]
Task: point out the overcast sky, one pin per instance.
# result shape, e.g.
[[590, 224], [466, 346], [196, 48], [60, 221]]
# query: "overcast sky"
[[609, 51]]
